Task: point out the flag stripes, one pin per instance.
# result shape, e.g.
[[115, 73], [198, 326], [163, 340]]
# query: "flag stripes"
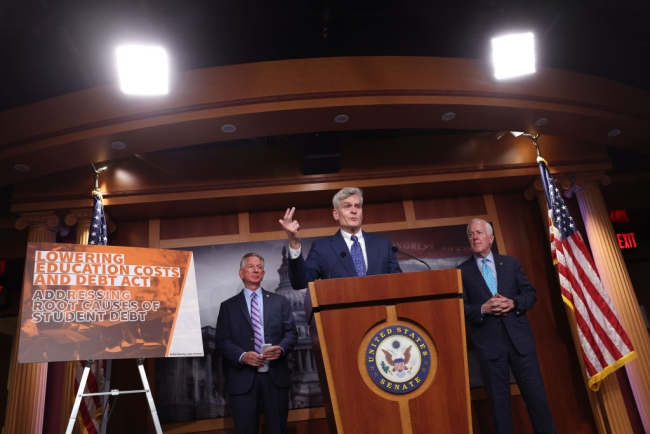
[[605, 344], [90, 410]]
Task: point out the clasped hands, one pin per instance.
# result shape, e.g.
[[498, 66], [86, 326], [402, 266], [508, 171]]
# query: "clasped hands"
[[251, 358], [498, 305]]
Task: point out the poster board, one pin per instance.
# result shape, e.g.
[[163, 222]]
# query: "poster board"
[[85, 302]]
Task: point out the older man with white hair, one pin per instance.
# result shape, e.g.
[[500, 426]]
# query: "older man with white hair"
[[497, 295]]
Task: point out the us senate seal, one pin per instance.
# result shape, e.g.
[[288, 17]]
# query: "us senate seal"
[[398, 359]]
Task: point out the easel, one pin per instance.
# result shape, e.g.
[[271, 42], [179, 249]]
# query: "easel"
[[114, 392]]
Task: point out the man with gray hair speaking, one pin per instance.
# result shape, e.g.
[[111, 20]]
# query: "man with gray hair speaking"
[[348, 253]]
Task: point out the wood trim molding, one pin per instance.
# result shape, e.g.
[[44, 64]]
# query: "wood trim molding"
[[244, 227], [493, 216], [154, 234], [409, 213], [300, 185]]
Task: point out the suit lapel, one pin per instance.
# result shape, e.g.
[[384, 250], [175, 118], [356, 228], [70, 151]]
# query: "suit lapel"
[[241, 302], [476, 274], [267, 308], [498, 265], [371, 252], [338, 246]]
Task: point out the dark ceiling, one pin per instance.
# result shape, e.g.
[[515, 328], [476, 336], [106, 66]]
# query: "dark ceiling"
[[54, 47]]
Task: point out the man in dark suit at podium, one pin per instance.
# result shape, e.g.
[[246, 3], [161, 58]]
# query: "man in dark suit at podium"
[[348, 253], [247, 324], [496, 295]]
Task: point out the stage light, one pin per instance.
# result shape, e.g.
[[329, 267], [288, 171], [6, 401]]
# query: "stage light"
[[513, 55], [142, 70]]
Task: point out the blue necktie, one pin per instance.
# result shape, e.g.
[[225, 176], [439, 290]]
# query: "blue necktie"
[[257, 325], [489, 277], [357, 257]]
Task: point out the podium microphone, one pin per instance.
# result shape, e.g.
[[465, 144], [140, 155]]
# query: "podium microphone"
[[341, 256], [396, 250]]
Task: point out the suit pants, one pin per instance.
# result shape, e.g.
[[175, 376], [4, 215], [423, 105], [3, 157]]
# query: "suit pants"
[[525, 368], [246, 407]]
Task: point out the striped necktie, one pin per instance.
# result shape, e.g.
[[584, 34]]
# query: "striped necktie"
[[257, 325]]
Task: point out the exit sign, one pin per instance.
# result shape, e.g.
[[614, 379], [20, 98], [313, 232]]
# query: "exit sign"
[[626, 241]]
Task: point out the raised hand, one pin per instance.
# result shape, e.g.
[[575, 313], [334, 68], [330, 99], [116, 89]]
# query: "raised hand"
[[291, 227]]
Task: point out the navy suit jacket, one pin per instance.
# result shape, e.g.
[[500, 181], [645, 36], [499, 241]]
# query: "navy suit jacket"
[[486, 330], [321, 262], [234, 337]]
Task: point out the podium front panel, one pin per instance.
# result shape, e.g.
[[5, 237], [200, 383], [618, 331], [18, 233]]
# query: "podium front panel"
[[360, 409], [391, 353]]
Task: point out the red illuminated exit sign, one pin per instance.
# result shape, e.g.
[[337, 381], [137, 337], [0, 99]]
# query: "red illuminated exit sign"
[[626, 241]]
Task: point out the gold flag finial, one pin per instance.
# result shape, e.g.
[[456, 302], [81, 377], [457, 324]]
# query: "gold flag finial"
[[532, 137], [97, 172]]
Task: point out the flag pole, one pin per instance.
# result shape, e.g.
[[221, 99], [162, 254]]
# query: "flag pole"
[[101, 169], [101, 369], [572, 318]]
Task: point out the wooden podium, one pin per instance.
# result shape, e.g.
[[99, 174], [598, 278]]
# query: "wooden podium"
[[352, 319]]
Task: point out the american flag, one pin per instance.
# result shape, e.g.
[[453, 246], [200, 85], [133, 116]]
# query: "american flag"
[[98, 233], [605, 345], [92, 408]]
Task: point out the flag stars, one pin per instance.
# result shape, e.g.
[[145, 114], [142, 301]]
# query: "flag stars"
[[97, 234]]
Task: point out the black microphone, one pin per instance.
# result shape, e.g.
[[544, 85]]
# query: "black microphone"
[[396, 250], [341, 256]]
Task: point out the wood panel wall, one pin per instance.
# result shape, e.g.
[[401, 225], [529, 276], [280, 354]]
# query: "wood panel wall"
[[519, 230]]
